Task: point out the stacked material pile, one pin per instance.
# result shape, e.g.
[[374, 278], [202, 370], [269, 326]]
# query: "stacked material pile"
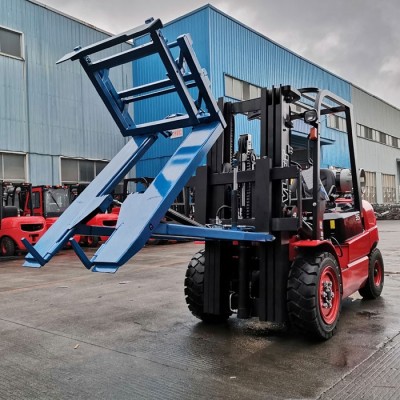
[[387, 211]]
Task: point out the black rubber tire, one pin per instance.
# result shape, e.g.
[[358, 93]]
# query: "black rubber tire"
[[93, 241], [303, 302], [194, 290], [371, 290], [7, 246]]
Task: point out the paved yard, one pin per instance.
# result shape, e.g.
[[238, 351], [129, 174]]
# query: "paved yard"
[[66, 333]]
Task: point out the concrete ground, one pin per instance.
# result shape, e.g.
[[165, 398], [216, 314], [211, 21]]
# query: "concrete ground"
[[66, 333]]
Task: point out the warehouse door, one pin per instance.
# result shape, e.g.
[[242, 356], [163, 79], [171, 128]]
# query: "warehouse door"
[[370, 187], [389, 188]]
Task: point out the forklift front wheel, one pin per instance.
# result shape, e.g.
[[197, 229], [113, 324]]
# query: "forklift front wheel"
[[314, 295], [7, 246], [194, 290], [374, 285]]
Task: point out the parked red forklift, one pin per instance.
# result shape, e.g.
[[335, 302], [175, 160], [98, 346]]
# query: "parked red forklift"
[[13, 225], [51, 201], [103, 219], [47, 201], [179, 212]]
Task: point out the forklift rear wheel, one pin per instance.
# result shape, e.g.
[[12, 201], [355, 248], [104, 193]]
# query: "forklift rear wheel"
[[374, 285], [194, 290], [314, 295], [7, 246]]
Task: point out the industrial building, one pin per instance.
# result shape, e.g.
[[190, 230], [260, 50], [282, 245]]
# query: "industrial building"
[[54, 128]]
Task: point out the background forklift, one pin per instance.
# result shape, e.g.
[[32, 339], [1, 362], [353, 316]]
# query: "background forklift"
[[179, 212], [322, 252], [13, 226], [51, 201], [278, 247], [47, 201], [107, 219]]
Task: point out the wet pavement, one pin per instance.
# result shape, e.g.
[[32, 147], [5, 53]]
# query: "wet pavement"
[[66, 333]]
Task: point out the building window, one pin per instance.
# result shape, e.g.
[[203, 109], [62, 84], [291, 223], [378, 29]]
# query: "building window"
[[382, 137], [336, 122], [368, 134], [86, 170], [12, 167], [370, 187], [240, 90], [10, 42], [389, 188], [80, 171], [333, 122], [365, 132], [377, 136]]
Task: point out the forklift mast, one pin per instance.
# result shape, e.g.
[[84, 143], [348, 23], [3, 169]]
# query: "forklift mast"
[[17, 194], [266, 199]]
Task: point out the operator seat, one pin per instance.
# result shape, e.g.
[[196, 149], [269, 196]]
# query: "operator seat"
[[9, 211], [328, 180]]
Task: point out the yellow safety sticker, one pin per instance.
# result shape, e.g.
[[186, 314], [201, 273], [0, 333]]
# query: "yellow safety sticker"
[[332, 223]]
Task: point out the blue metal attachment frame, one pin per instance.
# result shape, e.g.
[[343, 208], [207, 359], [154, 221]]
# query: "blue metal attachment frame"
[[141, 213]]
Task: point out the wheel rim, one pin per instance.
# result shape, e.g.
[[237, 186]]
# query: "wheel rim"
[[378, 273], [328, 294]]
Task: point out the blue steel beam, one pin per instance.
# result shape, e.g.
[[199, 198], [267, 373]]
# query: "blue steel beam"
[[141, 213], [163, 84], [96, 196], [150, 95], [195, 232]]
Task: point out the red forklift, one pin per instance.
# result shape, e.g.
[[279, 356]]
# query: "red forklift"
[[47, 201], [103, 219], [325, 245], [13, 225], [179, 212], [51, 201], [277, 245]]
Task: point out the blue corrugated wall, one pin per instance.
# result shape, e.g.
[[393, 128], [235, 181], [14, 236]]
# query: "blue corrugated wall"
[[49, 110], [245, 54], [224, 46]]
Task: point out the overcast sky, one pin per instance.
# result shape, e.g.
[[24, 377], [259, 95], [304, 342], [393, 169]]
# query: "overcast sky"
[[358, 40]]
